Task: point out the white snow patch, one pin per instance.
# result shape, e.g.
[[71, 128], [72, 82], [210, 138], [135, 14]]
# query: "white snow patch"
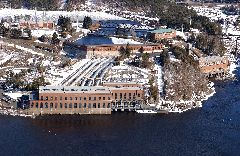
[[40, 32], [53, 15], [124, 41], [14, 95]]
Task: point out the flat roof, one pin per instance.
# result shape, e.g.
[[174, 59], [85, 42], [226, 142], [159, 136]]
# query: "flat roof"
[[73, 89], [161, 31], [125, 88], [84, 89], [131, 45], [120, 82], [212, 58]]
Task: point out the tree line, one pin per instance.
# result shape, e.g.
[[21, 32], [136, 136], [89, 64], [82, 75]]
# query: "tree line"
[[44, 4]]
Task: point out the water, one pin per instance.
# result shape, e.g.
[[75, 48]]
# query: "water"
[[213, 129]]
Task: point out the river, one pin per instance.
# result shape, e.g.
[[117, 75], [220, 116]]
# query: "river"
[[213, 129]]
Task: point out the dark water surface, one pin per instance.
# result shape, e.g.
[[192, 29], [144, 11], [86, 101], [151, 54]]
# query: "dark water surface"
[[213, 129]]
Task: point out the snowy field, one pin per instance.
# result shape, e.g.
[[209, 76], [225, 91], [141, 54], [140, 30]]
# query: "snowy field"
[[53, 15]]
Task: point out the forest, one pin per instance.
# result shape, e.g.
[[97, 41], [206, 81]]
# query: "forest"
[[42, 4]]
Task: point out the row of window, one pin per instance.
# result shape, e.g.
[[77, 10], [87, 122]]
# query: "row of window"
[[70, 105], [74, 98], [92, 99], [125, 96]]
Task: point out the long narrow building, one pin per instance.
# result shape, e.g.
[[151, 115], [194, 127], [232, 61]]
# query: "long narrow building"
[[82, 100]]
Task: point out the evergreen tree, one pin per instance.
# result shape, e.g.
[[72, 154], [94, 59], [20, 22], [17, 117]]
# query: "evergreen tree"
[[145, 61], [164, 57], [55, 39], [28, 32], [122, 51], [43, 38], [15, 33], [64, 23], [3, 30], [118, 31], [141, 50], [87, 22], [128, 50]]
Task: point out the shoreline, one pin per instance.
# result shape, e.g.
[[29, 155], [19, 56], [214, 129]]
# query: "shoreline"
[[183, 106], [172, 106], [198, 104]]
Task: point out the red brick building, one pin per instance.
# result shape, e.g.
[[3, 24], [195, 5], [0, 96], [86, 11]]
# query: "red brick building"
[[160, 34], [38, 25], [81, 100], [113, 49], [122, 84], [214, 65]]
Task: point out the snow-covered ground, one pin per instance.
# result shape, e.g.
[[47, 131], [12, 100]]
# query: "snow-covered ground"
[[159, 77], [29, 50], [14, 95], [233, 67], [215, 14], [5, 57], [53, 15], [181, 34], [55, 75], [123, 41], [125, 73], [40, 32]]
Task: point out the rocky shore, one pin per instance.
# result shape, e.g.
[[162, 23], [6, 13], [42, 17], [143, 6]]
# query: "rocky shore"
[[183, 106], [12, 111]]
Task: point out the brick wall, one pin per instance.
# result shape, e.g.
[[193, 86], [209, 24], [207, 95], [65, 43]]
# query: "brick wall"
[[214, 67], [113, 50], [158, 36], [81, 103]]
